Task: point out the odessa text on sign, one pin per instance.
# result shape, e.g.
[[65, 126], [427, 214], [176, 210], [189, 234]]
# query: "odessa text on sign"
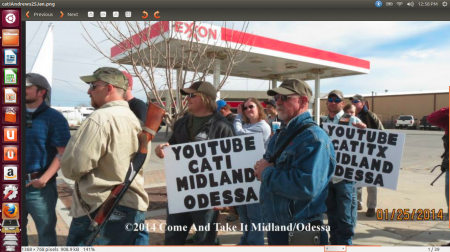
[[367, 156], [214, 173]]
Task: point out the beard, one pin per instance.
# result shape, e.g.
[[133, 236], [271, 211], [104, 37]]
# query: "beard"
[[94, 104], [30, 100], [281, 113]]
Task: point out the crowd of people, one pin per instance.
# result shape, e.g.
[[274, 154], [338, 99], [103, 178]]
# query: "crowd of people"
[[296, 171]]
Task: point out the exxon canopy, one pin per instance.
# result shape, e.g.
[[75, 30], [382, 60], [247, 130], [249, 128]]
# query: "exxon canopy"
[[265, 58]]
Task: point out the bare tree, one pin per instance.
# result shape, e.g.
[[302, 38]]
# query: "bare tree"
[[157, 54]]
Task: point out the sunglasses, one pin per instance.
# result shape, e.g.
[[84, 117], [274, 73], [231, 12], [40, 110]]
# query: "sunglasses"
[[284, 97], [29, 119], [336, 100], [249, 107], [92, 86], [192, 95], [355, 101]]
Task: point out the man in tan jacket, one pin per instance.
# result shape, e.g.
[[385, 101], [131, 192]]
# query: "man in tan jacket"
[[98, 156]]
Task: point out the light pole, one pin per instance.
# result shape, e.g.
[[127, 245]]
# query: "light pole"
[[373, 103]]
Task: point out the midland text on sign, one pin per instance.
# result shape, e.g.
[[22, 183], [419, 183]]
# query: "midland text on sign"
[[215, 173], [366, 156]]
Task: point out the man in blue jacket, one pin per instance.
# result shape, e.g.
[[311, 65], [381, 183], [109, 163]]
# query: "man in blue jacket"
[[294, 187]]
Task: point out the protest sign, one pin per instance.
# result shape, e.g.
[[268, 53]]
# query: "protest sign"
[[214, 173], [367, 156]]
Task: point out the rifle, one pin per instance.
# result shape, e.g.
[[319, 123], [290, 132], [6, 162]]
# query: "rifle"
[[155, 116]]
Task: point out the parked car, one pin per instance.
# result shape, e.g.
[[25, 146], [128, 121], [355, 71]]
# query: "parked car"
[[405, 121], [424, 124]]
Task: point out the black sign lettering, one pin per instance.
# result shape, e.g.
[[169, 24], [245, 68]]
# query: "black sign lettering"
[[348, 173], [239, 195], [188, 151], [203, 200], [331, 129], [379, 180], [251, 195], [205, 165], [213, 146], [215, 198], [191, 167], [189, 202], [227, 199], [217, 160], [250, 143], [237, 145], [225, 146], [177, 151], [339, 171], [392, 139], [200, 149], [381, 151], [182, 184], [387, 167]]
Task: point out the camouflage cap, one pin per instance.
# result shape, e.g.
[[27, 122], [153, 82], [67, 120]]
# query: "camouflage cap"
[[337, 93], [357, 97], [109, 75], [292, 86]]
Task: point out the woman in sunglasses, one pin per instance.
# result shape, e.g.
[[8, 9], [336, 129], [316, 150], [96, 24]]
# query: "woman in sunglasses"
[[251, 120]]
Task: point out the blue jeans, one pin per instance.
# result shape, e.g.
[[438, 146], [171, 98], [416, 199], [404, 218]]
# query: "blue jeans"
[[341, 211], [198, 218], [282, 237], [41, 204], [113, 233], [248, 215]]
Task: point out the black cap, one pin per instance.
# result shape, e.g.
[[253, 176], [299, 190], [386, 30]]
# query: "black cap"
[[271, 102]]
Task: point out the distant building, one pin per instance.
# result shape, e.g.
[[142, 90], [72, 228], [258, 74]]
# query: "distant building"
[[388, 106]]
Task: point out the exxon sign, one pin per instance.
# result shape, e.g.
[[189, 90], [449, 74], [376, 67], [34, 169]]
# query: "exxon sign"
[[204, 33]]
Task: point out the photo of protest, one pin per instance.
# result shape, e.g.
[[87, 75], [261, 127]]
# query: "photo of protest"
[[236, 133]]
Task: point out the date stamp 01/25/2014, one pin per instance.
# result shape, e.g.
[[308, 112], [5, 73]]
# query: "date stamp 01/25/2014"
[[405, 214]]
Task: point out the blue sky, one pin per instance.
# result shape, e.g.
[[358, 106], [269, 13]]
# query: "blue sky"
[[404, 56]]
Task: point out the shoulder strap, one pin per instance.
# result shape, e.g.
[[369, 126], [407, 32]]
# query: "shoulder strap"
[[286, 143]]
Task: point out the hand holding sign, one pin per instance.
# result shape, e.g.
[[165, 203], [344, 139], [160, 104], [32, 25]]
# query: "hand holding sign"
[[159, 150], [260, 166]]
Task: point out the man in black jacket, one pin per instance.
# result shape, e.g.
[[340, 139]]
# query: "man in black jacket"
[[373, 122], [203, 122]]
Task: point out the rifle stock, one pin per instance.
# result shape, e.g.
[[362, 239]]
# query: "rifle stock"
[[155, 115]]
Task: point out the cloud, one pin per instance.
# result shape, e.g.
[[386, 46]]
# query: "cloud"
[[408, 70], [344, 37], [397, 64]]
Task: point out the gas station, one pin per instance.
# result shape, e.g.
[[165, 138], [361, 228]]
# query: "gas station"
[[265, 58]]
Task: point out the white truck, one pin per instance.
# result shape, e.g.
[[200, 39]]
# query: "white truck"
[[75, 115], [405, 121]]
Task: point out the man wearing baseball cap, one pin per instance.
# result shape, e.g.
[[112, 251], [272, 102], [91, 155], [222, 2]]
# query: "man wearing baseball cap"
[[47, 134], [341, 201], [373, 122], [97, 158], [224, 109], [295, 175], [272, 115], [203, 122]]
